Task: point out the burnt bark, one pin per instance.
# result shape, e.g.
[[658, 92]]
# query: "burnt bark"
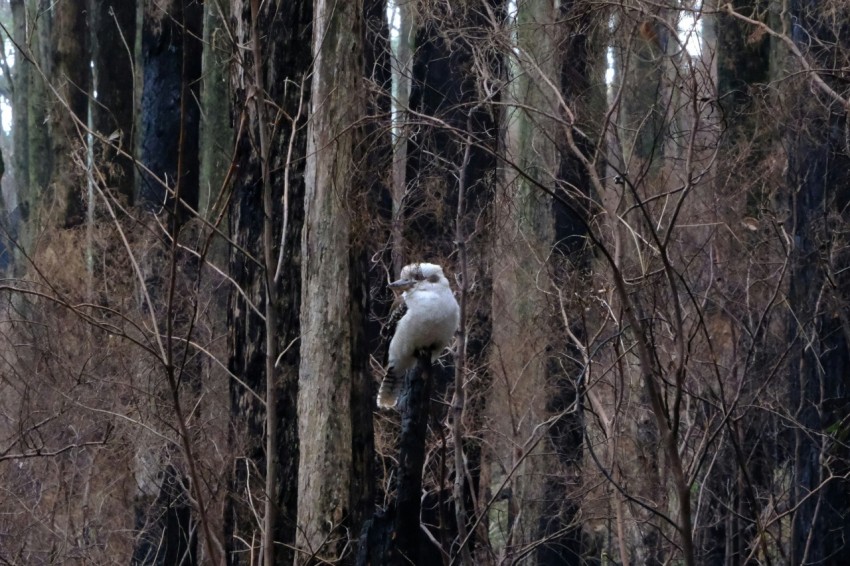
[[394, 535], [113, 33], [170, 116], [818, 296], [171, 59], [453, 103], [369, 241], [286, 54], [168, 535]]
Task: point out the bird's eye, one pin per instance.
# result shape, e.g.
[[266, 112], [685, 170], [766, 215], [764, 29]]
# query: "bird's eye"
[[434, 278], [418, 277]]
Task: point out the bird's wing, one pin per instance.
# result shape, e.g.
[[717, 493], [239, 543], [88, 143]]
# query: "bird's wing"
[[391, 383], [388, 330]]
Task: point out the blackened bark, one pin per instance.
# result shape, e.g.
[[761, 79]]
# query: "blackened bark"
[[170, 116], [286, 49], [367, 279], [445, 87], [171, 59], [452, 103], [113, 32], [818, 296], [394, 535], [167, 534], [821, 360]]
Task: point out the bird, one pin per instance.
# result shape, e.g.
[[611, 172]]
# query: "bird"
[[425, 320]]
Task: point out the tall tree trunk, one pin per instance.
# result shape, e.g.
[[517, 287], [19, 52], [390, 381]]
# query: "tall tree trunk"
[[20, 130], [170, 116], [451, 139], [171, 60], [523, 332], [285, 50], [742, 74], [818, 295], [325, 379], [37, 141], [216, 118], [113, 33], [70, 74]]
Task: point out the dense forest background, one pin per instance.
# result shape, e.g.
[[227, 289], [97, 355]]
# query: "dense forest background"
[[641, 206]]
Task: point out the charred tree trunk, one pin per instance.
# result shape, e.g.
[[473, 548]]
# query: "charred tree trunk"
[[286, 31], [170, 116], [171, 60], [453, 107], [818, 294], [818, 298], [113, 33], [394, 535], [369, 240]]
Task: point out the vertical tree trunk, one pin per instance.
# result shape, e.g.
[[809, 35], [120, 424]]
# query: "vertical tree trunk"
[[216, 118], [452, 106], [113, 32], [37, 141], [171, 60], [325, 379], [170, 116], [71, 78], [818, 296], [523, 332], [285, 48], [20, 129], [374, 160]]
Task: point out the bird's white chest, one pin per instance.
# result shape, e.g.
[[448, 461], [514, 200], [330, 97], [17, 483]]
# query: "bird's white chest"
[[432, 318]]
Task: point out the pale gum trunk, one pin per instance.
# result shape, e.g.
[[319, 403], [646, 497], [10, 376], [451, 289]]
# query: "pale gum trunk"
[[525, 236], [324, 396]]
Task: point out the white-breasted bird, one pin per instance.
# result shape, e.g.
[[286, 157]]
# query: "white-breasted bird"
[[426, 319]]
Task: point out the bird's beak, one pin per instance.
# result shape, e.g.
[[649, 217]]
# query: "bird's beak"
[[401, 285]]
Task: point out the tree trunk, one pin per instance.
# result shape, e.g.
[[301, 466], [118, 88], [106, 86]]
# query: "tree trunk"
[[171, 60], [20, 132], [70, 75], [216, 118], [818, 297], [170, 116], [325, 378], [452, 109], [523, 334], [285, 51], [113, 32], [38, 141]]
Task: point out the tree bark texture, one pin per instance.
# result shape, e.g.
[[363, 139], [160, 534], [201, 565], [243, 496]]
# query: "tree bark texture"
[[21, 78], [286, 32], [523, 335], [818, 297], [325, 377], [113, 33], [394, 535], [216, 118], [171, 61]]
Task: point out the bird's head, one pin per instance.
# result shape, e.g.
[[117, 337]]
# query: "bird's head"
[[419, 275]]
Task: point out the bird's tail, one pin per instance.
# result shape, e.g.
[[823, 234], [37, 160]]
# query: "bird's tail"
[[389, 391]]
